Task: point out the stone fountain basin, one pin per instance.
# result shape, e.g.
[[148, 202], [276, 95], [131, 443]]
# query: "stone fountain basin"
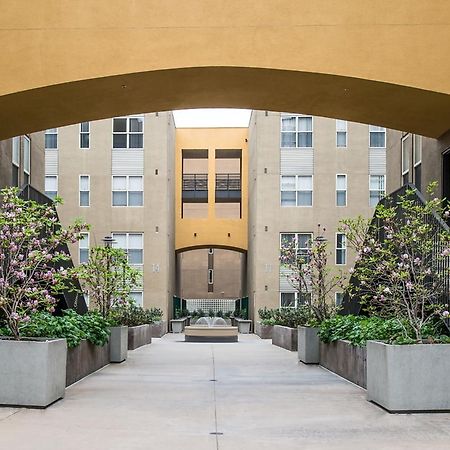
[[202, 333]]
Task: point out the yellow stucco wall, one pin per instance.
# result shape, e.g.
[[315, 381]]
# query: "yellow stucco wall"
[[374, 61], [211, 231]]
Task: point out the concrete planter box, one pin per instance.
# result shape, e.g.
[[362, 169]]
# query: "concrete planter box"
[[158, 329], [177, 325], [308, 345], [85, 359], [263, 331], [244, 325], [346, 360], [139, 336], [32, 373], [118, 344], [285, 337], [403, 378]]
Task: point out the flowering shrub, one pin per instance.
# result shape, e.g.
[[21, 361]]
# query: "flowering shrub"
[[108, 277], [31, 275], [310, 274], [401, 267]]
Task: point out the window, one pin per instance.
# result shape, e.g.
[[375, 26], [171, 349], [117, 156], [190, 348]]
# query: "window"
[[296, 131], [26, 159], [15, 161], [83, 248], [341, 249], [338, 298], [127, 191], [51, 138], [16, 151], [341, 133], [405, 144], [293, 299], [296, 190], [341, 190], [84, 190], [418, 162], [128, 132], [51, 186], [133, 244], [302, 242], [377, 137], [85, 128], [376, 189], [137, 297]]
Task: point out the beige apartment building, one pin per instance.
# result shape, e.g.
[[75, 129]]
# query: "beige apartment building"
[[203, 212], [306, 171]]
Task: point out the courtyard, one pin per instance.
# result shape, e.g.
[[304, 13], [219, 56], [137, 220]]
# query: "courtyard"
[[248, 395]]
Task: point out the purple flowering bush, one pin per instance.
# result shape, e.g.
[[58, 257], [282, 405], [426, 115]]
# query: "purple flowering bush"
[[401, 267], [310, 274], [30, 273]]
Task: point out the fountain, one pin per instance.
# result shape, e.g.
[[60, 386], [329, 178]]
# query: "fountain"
[[210, 329]]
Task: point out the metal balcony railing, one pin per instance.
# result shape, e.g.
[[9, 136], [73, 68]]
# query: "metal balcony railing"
[[195, 182], [228, 182]]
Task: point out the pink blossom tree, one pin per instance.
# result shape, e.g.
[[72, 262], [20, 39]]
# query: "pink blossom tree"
[[31, 275]]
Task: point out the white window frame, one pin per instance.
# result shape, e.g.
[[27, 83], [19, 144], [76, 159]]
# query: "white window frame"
[[297, 131], [138, 291], [127, 190], [27, 155], [128, 132], [417, 143], [80, 248], [341, 190], [336, 300], [57, 184], [403, 140], [383, 192], [83, 133], [343, 129], [296, 235], [15, 148], [296, 298], [343, 249], [297, 190], [128, 234], [83, 190], [377, 129], [51, 131]]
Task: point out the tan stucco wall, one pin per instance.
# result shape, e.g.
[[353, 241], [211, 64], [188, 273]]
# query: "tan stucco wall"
[[264, 189], [158, 197], [370, 61]]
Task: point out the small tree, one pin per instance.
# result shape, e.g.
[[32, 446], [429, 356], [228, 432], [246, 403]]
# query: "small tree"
[[402, 260], [108, 277], [311, 276], [31, 239]]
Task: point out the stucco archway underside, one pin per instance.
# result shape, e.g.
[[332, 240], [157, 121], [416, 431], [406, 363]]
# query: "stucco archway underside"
[[372, 61]]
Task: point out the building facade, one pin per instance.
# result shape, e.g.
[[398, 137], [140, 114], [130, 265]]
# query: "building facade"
[[203, 212], [306, 171]]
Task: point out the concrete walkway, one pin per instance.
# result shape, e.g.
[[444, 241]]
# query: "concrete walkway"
[[164, 397]]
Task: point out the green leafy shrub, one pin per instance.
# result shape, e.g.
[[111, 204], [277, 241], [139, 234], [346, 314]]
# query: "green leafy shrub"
[[287, 317], [132, 315], [265, 313], [71, 326], [359, 329]]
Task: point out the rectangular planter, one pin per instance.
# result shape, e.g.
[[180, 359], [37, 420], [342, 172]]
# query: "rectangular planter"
[[308, 345], [118, 344], [177, 325], [285, 337], [139, 336], [403, 378], [32, 373], [85, 359], [263, 331], [244, 325], [346, 360], [158, 329]]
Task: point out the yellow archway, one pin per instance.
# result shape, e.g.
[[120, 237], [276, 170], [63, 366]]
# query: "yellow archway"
[[372, 61]]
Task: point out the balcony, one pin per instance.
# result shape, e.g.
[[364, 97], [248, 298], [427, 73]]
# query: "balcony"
[[228, 187], [195, 187]]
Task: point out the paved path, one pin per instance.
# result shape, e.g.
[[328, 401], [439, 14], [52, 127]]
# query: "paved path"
[[163, 397]]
